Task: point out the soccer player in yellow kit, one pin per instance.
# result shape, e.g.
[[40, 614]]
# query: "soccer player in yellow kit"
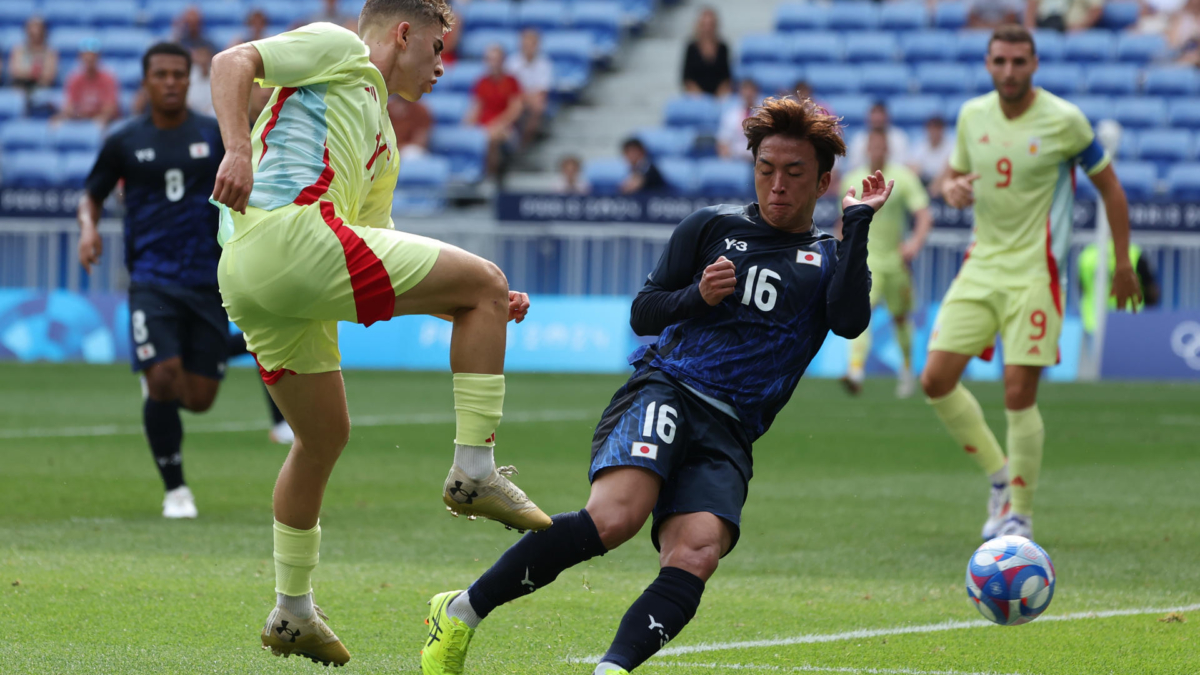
[[889, 256], [1014, 161], [307, 241]]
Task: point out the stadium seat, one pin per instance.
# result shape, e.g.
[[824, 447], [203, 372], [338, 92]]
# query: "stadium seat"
[[461, 77], [1095, 108], [10, 36], [801, 17], [1128, 147], [772, 78], [1062, 79], [485, 15], [223, 14], [465, 148], [809, 47], [104, 13], [834, 79], [636, 13], [66, 40], [903, 16], [1183, 181], [911, 111], [606, 175], [476, 42], [852, 108], [1140, 112], [943, 78], [765, 48], [76, 136], [1165, 146], [701, 113], [950, 15], [421, 185], [160, 14], [1140, 179], [1116, 79], [928, 46], [679, 173], [24, 134], [572, 52], [1184, 112], [953, 105], [1140, 48], [74, 168], [543, 15], [1171, 81], [667, 142], [871, 46], [1089, 46], [62, 13], [981, 79], [721, 177], [886, 79], [603, 21], [31, 169], [1119, 15], [12, 104], [447, 107], [853, 15], [16, 12], [971, 46], [1050, 45], [125, 42]]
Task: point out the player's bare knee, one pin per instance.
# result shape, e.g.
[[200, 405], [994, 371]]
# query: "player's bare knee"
[[1019, 395], [164, 381], [700, 559], [616, 525], [932, 385], [199, 402]]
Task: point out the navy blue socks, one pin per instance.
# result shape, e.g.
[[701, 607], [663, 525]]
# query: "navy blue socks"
[[654, 619], [164, 431]]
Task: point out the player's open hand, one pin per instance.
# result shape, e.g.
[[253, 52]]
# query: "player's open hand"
[[518, 306], [235, 179], [1126, 289], [875, 191], [91, 246], [959, 191], [719, 281]]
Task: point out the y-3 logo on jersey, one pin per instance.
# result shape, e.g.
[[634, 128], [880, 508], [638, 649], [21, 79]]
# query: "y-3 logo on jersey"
[[734, 243]]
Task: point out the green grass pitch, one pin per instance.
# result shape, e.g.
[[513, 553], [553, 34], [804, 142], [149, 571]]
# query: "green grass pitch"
[[861, 518]]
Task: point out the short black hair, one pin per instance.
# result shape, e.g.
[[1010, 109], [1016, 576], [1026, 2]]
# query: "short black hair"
[[169, 48], [879, 105], [633, 142], [1014, 34]]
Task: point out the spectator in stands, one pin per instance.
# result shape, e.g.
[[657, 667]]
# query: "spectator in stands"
[[731, 139], [1156, 15], [802, 90], [991, 14], [706, 64], [570, 177], [931, 154], [92, 93], [189, 31], [331, 13], [535, 74], [496, 106], [412, 123], [877, 118], [199, 97], [256, 28], [33, 64], [644, 177], [1063, 15], [1183, 35]]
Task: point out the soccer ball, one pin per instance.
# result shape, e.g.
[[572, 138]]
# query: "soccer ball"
[[1010, 580]]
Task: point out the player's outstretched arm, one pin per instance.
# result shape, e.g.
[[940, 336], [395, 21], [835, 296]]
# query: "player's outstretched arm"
[[1125, 287], [233, 73], [848, 300]]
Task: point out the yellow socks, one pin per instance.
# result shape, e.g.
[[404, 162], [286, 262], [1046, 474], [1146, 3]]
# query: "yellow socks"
[[296, 556], [1026, 436], [478, 406], [963, 417]]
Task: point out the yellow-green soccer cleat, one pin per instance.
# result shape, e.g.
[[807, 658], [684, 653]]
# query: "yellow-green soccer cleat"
[[611, 670], [285, 634], [446, 644], [495, 498]]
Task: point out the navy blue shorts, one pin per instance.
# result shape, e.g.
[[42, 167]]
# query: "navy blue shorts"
[[702, 454], [184, 321]]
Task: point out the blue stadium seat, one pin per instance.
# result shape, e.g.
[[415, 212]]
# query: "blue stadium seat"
[[1089, 46], [1171, 81], [465, 148], [1119, 15], [1062, 79], [160, 14], [953, 105], [74, 168], [1050, 45], [31, 169], [16, 12], [24, 134], [461, 76], [667, 142], [606, 175], [852, 108], [871, 46], [105, 13], [1128, 147], [66, 40], [808, 47], [475, 43], [943, 78], [903, 16], [853, 15], [1116, 79], [702, 113], [447, 107], [60, 13], [637, 12], [1183, 181], [421, 185], [12, 104], [1095, 108], [543, 15], [76, 136], [10, 36], [570, 50], [679, 173], [44, 102], [223, 14], [950, 15], [910, 111], [1165, 146], [981, 79], [1184, 112], [773, 78], [1140, 112], [1140, 179], [765, 48], [886, 79], [1141, 48], [833, 79], [484, 15], [223, 36], [796, 16], [928, 46], [603, 21], [730, 178], [125, 42], [972, 45]]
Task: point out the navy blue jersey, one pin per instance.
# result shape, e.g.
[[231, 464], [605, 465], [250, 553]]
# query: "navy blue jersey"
[[750, 350], [170, 227]]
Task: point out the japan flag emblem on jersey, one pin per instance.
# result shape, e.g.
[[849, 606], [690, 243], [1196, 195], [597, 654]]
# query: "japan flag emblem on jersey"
[[199, 150], [644, 450], [808, 258]]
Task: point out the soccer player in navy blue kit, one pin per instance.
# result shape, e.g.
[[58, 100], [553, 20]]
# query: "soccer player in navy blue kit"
[[168, 159], [742, 299]]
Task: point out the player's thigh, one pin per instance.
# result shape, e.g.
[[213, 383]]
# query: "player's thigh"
[[897, 293], [156, 322], [695, 542], [455, 281], [198, 391], [315, 407], [968, 320], [1032, 325]]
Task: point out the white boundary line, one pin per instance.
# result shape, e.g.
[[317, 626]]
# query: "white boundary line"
[[815, 669], [883, 632], [410, 419]]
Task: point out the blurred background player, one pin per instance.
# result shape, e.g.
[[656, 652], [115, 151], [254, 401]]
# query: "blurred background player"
[[168, 160], [741, 301], [890, 257], [1013, 160]]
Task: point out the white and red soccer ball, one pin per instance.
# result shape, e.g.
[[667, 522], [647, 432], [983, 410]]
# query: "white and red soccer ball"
[[1010, 580]]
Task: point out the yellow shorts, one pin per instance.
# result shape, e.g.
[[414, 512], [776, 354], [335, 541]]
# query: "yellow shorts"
[[289, 278], [1028, 320], [893, 287]]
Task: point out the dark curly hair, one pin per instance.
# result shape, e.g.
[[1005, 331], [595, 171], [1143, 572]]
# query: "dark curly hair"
[[800, 119]]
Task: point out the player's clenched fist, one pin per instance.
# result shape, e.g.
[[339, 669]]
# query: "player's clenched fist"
[[518, 306], [959, 192], [719, 281], [235, 179]]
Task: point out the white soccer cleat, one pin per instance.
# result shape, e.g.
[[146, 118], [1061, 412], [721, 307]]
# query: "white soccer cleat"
[[179, 503], [286, 634], [906, 384], [1016, 526], [999, 506], [282, 434], [494, 497]]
